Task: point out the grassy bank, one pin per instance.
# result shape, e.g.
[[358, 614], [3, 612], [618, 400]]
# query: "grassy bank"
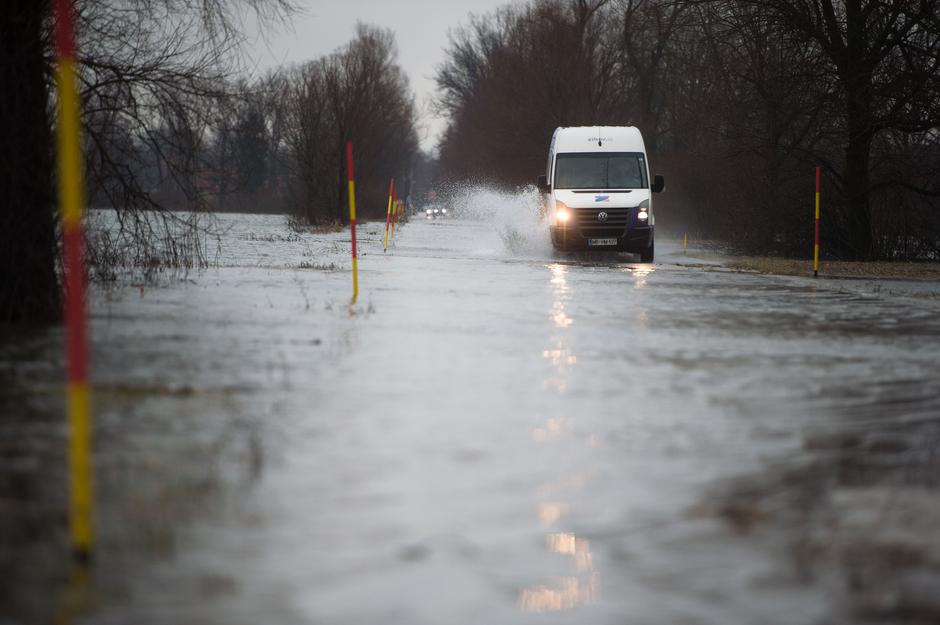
[[835, 269]]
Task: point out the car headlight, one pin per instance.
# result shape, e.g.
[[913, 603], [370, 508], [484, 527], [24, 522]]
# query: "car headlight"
[[562, 212], [643, 211], [443, 211], [428, 211]]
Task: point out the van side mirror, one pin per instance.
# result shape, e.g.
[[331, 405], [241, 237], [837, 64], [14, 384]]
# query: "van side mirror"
[[543, 184], [659, 183]]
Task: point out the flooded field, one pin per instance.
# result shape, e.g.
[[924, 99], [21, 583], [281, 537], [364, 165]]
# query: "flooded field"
[[493, 434]]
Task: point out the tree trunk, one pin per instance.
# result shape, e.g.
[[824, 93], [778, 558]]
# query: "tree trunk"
[[29, 289], [857, 76], [857, 162], [860, 127]]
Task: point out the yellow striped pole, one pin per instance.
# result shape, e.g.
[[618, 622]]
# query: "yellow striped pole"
[[352, 218], [816, 228], [394, 212], [388, 214], [71, 205]]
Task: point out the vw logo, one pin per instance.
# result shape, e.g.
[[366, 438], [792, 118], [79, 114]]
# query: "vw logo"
[[602, 216]]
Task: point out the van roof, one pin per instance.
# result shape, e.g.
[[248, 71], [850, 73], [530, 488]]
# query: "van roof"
[[586, 138]]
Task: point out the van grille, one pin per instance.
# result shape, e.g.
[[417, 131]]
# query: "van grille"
[[614, 226]]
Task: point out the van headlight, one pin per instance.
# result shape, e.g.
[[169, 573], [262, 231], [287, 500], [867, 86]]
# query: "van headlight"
[[562, 212], [643, 211]]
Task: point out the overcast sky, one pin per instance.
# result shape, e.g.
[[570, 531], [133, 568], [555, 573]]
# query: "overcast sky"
[[420, 28]]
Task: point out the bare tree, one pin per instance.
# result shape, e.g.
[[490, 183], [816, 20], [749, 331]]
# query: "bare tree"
[[512, 77], [145, 65], [358, 93], [884, 59]]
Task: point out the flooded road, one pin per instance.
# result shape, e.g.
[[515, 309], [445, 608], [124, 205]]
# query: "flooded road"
[[493, 434]]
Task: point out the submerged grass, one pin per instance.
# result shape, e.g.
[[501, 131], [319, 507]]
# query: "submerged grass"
[[328, 227], [319, 266]]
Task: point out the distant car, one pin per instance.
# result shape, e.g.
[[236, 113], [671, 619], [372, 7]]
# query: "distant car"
[[435, 212]]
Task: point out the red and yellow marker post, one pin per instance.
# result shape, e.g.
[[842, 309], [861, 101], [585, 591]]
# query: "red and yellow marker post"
[[388, 214], [352, 218], [71, 206], [816, 229]]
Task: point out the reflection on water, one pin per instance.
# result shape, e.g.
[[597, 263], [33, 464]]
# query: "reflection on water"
[[571, 590], [569, 593], [559, 353], [78, 599], [569, 544], [640, 273], [551, 511], [574, 482], [559, 356], [560, 293], [551, 430]]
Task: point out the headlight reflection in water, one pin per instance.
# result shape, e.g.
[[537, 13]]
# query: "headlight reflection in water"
[[583, 584]]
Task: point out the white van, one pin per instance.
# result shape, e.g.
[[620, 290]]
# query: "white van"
[[598, 191]]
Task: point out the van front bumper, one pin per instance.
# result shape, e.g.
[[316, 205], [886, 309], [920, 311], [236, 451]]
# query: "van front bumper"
[[634, 240]]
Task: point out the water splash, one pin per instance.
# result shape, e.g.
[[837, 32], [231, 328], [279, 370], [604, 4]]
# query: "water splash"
[[516, 215]]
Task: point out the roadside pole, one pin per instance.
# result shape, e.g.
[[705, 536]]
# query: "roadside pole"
[[816, 229], [352, 218], [394, 210], [685, 243], [388, 214], [71, 200]]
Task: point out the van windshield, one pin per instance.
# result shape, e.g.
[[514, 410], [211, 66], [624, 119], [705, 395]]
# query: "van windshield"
[[600, 170]]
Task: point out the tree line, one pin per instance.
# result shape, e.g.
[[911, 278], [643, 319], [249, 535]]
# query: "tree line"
[[738, 100], [358, 93], [276, 144], [174, 126], [273, 144], [147, 68]]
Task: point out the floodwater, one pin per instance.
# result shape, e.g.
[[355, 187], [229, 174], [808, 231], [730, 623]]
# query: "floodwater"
[[492, 434]]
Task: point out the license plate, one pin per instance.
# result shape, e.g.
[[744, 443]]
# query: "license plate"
[[601, 242]]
